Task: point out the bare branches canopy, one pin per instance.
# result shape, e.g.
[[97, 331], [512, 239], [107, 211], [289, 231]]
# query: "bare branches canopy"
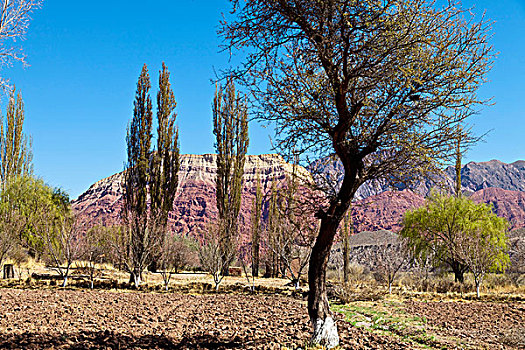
[[381, 85]]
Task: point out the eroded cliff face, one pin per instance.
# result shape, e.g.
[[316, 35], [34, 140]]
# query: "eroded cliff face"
[[506, 203], [195, 203]]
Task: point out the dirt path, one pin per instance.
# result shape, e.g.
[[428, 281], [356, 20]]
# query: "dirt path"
[[77, 319]]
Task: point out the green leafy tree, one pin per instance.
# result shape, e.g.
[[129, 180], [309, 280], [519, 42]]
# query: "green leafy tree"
[[166, 160], [15, 147], [458, 233], [377, 84], [45, 223], [230, 127], [26, 197]]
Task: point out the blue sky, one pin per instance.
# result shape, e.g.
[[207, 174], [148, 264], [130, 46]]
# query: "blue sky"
[[85, 58]]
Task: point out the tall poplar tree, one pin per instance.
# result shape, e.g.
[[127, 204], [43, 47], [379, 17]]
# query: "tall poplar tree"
[[256, 226], [230, 127], [165, 164], [15, 147], [150, 177], [166, 160], [136, 180]]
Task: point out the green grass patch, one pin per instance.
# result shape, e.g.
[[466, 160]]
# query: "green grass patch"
[[390, 318]]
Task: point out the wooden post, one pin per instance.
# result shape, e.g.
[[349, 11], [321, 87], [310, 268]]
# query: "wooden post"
[[9, 271]]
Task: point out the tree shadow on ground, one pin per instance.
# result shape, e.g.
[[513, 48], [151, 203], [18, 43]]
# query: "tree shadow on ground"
[[107, 339]]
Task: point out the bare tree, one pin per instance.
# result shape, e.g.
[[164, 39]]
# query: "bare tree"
[[256, 227], [517, 256], [60, 235], [389, 259], [15, 16], [94, 250], [346, 233], [211, 255], [378, 84], [175, 255], [291, 228]]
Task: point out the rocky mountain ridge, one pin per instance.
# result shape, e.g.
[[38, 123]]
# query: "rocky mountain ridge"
[[194, 204], [377, 206]]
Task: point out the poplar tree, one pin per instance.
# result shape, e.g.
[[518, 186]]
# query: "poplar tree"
[[166, 160], [15, 147], [150, 178], [347, 222], [230, 127], [136, 180], [165, 164], [256, 226]]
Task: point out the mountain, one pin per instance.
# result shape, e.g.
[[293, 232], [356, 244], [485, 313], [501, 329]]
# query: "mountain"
[[376, 207], [195, 204], [474, 177], [478, 176], [507, 204], [384, 211]]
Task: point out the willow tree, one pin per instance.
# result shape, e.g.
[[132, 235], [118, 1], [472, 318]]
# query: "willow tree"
[[150, 177], [377, 84], [458, 233], [15, 147], [230, 127]]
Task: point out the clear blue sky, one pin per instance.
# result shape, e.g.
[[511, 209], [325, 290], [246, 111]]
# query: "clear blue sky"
[[85, 58]]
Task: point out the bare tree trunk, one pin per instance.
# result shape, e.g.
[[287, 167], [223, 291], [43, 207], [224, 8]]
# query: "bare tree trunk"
[[136, 279], [324, 328], [459, 271], [66, 275]]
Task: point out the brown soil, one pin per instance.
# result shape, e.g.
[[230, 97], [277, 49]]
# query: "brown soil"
[[475, 324], [83, 319]]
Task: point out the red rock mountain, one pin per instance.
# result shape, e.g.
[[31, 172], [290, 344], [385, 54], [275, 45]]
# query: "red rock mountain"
[[195, 203]]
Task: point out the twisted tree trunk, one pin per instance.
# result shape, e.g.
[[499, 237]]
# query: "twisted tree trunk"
[[324, 327]]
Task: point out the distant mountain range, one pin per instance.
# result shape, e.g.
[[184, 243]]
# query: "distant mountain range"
[[377, 206], [474, 177]]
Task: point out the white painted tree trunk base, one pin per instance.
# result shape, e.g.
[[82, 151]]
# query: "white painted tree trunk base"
[[325, 333]]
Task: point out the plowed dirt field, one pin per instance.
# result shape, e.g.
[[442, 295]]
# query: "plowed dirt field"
[[83, 319]]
